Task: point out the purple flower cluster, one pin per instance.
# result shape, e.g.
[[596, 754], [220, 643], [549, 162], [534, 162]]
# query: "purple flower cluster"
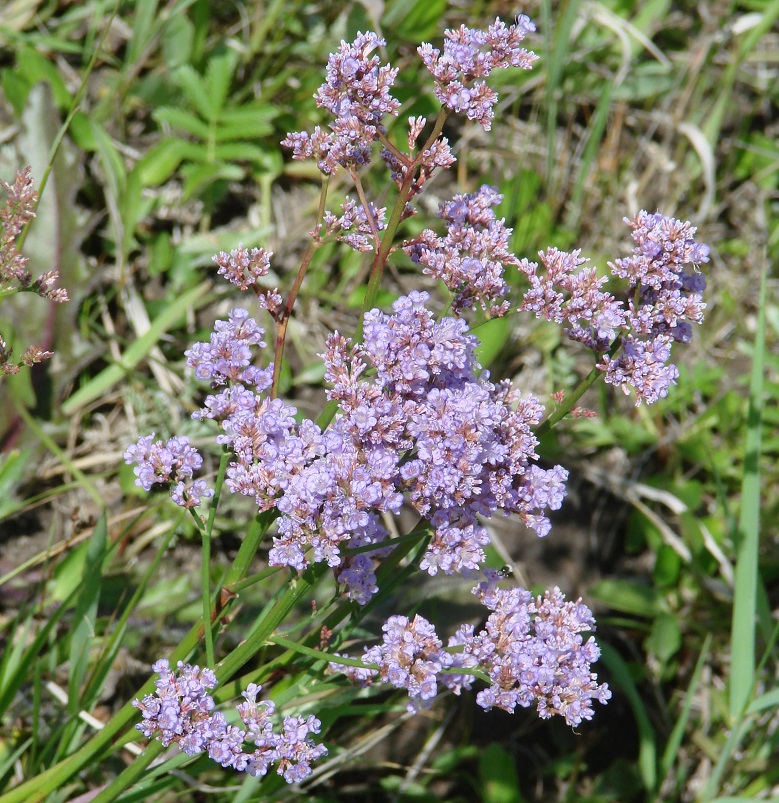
[[428, 428], [568, 294], [468, 444], [169, 463], [180, 712], [354, 227], [665, 296], [469, 56], [227, 356], [17, 212], [473, 255], [531, 650], [244, 267], [357, 92]]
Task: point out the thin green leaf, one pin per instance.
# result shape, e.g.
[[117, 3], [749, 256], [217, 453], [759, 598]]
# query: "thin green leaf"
[[677, 734], [647, 751], [113, 374], [86, 612], [742, 640]]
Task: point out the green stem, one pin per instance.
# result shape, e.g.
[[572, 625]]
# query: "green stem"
[[298, 588], [74, 106], [205, 565], [130, 774], [568, 403]]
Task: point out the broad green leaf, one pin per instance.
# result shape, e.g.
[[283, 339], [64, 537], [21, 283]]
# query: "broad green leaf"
[[665, 638], [498, 776], [629, 597]]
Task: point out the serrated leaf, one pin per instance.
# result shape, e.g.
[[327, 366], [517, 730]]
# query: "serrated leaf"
[[239, 152], [219, 76], [159, 162], [183, 120], [194, 88], [233, 131]]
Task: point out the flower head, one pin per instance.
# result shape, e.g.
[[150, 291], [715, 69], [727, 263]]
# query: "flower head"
[[181, 712], [469, 56]]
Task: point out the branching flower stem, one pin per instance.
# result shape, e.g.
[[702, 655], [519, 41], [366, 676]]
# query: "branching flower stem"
[[381, 254], [283, 321]]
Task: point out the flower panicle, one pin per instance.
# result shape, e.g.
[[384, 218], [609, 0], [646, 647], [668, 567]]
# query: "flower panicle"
[[531, 649], [665, 298], [181, 711]]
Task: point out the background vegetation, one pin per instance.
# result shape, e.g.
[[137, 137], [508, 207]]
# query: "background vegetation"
[[173, 114]]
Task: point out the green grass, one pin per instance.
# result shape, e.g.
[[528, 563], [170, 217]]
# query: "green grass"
[[153, 131]]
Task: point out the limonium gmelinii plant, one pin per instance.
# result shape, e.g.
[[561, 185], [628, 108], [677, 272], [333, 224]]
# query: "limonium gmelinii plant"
[[414, 422], [19, 210]]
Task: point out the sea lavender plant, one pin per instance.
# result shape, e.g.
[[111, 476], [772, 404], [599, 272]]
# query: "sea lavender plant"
[[414, 421], [17, 213]]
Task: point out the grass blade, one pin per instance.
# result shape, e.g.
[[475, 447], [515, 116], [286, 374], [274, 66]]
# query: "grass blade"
[[742, 641]]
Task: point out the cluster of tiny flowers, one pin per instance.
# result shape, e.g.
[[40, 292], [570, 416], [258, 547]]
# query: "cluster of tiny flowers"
[[439, 431], [428, 428], [665, 297], [354, 227], [244, 267], [469, 56], [17, 212], [567, 294], [472, 257], [357, 92], [227, 357], [169, 463], [531, 650], [180, 712]]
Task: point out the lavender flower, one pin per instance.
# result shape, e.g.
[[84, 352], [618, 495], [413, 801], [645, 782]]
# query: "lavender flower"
[[470, 56], [533, 653], [664, 298], [174, 461], [531, 650], [357, 93], [227, 356], [573, 295], [244, 267], [472, 256], [354, 227], [180, 712], [356, 86]]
